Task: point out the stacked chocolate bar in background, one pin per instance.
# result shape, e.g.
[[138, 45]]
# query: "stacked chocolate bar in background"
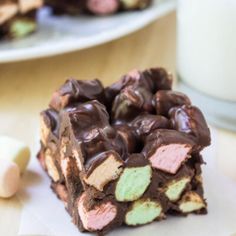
[[127, 154], [18, 17], [97, 7]]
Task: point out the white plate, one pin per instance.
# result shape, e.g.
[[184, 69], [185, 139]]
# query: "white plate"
[[57, 35]]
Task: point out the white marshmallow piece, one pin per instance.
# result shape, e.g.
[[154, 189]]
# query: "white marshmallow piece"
[[28, 5], [7, 11], [16, 151], [9, 178]]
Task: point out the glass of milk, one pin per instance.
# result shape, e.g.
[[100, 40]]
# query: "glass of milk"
[[207, 57]]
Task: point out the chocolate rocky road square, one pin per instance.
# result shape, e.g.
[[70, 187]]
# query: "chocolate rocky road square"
[[127, 154]]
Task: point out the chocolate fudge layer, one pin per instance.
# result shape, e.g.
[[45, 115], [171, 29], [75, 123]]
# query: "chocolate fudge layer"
[[96, 7], [126, 154], [18, 17]]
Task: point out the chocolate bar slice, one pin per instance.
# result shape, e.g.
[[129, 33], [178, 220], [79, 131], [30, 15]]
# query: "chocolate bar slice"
[[18, 17], [128, 154], [97, 7]]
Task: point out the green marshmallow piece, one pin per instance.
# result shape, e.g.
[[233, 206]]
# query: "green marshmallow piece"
[[22, 27], [132, 183], [143, 211], [175, 189]]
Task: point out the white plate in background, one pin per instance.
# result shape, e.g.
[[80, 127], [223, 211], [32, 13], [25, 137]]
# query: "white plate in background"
[[61, 34]]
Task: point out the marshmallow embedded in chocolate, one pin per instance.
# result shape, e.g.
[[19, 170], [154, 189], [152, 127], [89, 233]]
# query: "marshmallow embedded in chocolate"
[[134, 77], [64, 150], [49, 126], [109, 164], [190, 120], [77, 154], [134, 179], [88, 126], [51, 166], [131, 102], [191, 202], [175, 188], [143, 211], [103, 7], [136, 93], [151, 80], [145, 124], [77, 91], [135, 4], [10, 9], [97, 218], [130, 137], [18, 18], [103, 140], [167, 149], [160, 78], [199, 179], [164, 100], [49, 133], [85, 117], [174, 185], [22, 26]]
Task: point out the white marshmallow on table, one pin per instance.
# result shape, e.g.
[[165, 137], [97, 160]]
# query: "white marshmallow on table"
[[14, 150], [9, 178]]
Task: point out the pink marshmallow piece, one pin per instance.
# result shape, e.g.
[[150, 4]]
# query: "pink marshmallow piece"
[[103, 7], [97, 218], [170, 157]]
